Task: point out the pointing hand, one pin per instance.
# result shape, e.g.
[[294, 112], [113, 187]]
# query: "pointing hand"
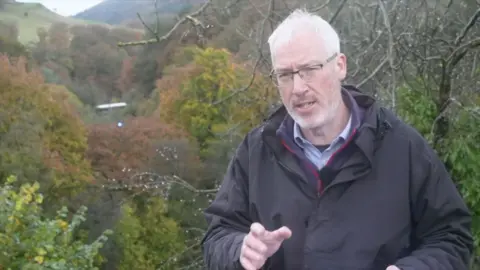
[[260, 244]]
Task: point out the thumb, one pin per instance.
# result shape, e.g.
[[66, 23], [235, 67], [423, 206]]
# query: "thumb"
[[280, 234]]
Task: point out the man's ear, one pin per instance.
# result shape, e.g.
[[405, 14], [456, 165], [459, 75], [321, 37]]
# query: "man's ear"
[[341, 66]]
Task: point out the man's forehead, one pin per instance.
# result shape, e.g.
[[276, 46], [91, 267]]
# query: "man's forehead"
[[297, 54], [291, 62]]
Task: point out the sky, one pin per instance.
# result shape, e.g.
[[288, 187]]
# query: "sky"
[[65, 7]]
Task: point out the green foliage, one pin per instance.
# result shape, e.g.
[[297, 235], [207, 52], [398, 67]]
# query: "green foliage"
[[214, 81], [186, 208], [209, 100], [29, 241], [148, 239], [12, 48], [460, 146], [417, 108], [462, 156]]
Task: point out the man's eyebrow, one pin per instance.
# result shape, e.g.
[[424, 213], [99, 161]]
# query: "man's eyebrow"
[[305, 65], [282, 70], [308, 64]]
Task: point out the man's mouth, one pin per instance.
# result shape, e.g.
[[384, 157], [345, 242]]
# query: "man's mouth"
[[305, 105]]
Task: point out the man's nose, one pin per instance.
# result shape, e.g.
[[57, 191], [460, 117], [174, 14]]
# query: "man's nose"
[[299, 85]]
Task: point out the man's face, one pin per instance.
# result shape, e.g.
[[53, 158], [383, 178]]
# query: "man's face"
[[312, 101]]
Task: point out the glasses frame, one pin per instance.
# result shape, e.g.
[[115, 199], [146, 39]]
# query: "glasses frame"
[[274, 75]]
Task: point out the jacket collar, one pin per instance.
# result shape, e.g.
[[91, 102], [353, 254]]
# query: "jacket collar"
[[370, 130]]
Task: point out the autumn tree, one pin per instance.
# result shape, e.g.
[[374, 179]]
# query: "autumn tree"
[[119, 152], [85, 59], [130, 198], [216, 96], [59, 36], [125, 81], [40, 137], [95, 61]]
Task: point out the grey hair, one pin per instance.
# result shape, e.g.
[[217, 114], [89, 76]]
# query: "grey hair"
[[300, 21]]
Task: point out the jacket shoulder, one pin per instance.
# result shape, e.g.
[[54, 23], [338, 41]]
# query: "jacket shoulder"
[[254, 137], [406, 135]]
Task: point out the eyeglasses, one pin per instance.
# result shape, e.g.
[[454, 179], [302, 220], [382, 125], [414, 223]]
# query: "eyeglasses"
[[285, 79]]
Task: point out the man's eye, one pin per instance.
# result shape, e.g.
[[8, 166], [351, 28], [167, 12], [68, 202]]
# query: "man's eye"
[[308, 69]]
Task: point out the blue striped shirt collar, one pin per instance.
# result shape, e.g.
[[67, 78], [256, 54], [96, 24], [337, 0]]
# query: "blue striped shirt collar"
[[301, 140]]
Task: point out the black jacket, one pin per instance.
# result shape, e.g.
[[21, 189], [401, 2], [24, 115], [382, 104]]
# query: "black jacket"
[[388, 199]]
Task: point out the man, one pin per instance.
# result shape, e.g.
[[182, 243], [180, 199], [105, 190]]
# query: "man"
[[331, 180]]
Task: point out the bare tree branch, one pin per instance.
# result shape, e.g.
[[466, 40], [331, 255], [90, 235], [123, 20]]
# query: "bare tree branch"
[[385, 60], [390, 52], [257, 62], [332, 19], [243, 89], [467, 27], [157, 38], [475, 112], [149, 181], [320, 7], [460, 51]]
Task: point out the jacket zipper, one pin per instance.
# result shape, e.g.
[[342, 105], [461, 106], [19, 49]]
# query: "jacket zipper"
[[329, 161], [320, 187], [295, 173]]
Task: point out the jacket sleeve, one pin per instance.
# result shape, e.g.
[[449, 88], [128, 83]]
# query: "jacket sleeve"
[[228, 216], [442, 233]]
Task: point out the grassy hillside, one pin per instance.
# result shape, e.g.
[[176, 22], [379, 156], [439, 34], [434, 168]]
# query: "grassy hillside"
[[30, 16], [120, 11]]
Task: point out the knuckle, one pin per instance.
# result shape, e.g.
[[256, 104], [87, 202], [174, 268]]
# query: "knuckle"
[[246, 242], [261, 258], [242, 250], [250, 239]]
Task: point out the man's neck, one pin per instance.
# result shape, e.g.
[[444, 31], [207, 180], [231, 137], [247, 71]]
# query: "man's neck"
[[325, 134]]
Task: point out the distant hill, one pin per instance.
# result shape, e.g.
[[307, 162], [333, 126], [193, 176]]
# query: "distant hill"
[[30, 16], [121, 11]]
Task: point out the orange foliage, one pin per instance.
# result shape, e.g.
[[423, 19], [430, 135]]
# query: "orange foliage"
[[118, 152], [169, 89], [17, 69], [58, 35], [23, 96], [124, 83]]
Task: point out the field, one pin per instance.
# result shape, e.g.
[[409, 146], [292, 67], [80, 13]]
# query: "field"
[[30, 16]]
